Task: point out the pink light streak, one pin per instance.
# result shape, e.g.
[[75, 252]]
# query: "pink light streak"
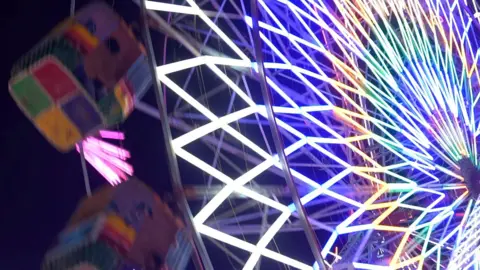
[[115, 135], [109, 148], [108, 159]]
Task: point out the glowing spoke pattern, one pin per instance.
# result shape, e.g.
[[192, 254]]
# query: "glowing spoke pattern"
[[377, 102], [108, 159], [466, 253]]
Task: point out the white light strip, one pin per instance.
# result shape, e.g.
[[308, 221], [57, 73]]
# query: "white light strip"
[[236, 185], [181, 65], [266, 238], [159, 6], [201, 60], [217, 30], [194, 103], [203, 229], [212, 126]]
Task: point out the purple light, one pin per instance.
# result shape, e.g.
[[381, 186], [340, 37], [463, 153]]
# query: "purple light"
[[114, 135], [108, 159], [109, 148]]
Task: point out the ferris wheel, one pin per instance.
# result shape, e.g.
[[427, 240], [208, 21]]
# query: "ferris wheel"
[[320, 134], [300, 134]]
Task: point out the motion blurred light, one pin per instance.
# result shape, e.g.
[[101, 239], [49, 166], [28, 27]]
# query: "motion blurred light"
[[121, 226]]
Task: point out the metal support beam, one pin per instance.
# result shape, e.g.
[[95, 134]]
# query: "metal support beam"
[[277, 138], [200, 255], [86, 178]]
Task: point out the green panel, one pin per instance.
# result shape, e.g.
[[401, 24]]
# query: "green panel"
[[66, 54], [111, 109], [30, 96]]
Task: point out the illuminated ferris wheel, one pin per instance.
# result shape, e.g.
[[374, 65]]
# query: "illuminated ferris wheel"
[[301, 134], [370, 105]]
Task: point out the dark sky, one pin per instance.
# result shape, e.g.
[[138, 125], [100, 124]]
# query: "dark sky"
[[40, 186]]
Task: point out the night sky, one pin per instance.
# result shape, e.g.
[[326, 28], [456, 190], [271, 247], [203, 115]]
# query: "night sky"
[[41, 186]]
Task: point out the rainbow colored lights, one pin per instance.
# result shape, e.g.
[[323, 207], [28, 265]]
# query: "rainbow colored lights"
[[381, 95], [108, 159]]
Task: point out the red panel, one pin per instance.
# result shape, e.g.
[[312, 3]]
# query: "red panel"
[[116, 236], [56, 82], [115, 240]]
